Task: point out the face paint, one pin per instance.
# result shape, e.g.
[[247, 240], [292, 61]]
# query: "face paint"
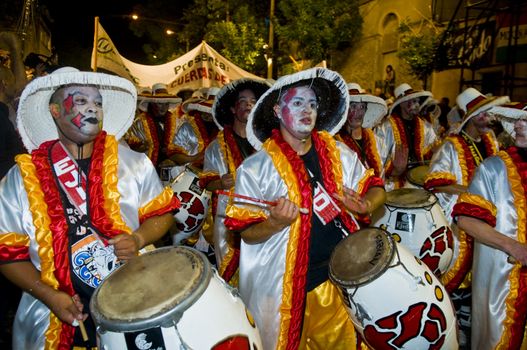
[[298, 111], [356, 113], [520, 129], [482, 122], [80, 116], [410, 108]]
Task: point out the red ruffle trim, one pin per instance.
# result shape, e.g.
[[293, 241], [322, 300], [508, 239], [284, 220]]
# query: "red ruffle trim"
[[155, 139], [13, 254], [433, 183], [172, 206], [231, 143], [232, 266], [238, 225], [474, 211]]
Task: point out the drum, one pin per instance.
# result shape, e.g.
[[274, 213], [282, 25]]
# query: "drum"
[[171, 298], [415, 177], [416, 220], [392, 298], [195, 202]]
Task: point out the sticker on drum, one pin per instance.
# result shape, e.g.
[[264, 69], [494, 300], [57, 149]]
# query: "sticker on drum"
[[415, 219], [397, 303], [160, 297]]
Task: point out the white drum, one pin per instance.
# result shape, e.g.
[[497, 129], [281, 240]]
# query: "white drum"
[[195, 202], [171, 299], [416, 220], [392, 298]]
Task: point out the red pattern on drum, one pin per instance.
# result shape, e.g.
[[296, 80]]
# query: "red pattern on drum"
[[435, 246], [412, 324], [237, 342], [194, 209]]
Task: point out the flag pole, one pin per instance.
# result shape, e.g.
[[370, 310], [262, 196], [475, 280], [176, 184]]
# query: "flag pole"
[[95, 37]]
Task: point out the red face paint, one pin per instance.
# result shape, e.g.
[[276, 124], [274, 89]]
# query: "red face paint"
[[77, 120], [68, 103]]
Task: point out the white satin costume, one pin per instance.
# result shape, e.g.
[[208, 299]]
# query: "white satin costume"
[[130, 193], [497, 195], [392, 134], [267, 270]]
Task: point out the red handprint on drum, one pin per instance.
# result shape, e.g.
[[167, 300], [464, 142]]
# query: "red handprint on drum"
[[413, 329], [191, 214], [434, 246]]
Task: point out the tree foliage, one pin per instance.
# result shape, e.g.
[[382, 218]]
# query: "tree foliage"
[[318, 28], [418, 46]]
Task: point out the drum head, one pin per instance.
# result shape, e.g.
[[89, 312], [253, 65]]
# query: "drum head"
[[361, 257], [152, 289], [410, 198], [417, 175]]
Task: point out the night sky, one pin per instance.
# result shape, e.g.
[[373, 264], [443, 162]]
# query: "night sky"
[[73, 27]]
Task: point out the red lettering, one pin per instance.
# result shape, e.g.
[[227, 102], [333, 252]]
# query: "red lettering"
[[193, 75]]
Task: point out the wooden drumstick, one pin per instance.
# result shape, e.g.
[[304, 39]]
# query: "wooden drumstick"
[[256, 200], [81, 326]]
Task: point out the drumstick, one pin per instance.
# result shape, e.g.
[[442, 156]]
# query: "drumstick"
[[81, 326], [257, 200]]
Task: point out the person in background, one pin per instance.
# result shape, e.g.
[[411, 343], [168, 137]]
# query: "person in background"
[[77, 206], [286, 243], [493, 211]]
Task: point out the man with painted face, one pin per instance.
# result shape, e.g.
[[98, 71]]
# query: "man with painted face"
[[451, 169], [223, 156], [78, 206], [493, 211], [408, 138], [287, 242]]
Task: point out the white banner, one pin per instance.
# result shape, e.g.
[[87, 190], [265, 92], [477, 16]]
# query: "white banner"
[[200, 67]]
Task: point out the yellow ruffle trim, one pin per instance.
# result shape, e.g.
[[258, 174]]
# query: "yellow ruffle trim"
[[14, 239], [518, 194], [225, 151], [197, 132], [159, 202], [441, 175], [41, 222], [477, 200]]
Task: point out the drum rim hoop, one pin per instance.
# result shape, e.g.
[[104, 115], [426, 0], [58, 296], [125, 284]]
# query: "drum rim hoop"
[[349, 284], [167, 318]]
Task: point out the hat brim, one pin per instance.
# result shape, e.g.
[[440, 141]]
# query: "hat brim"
[[508, 116], [144, 101], [226, 98], [333, 100], [483, 106], [421, 95], [34, 120], [375, 111]]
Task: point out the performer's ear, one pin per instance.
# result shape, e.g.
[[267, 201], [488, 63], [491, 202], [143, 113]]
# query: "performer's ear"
[[54, 109], [277, 111]]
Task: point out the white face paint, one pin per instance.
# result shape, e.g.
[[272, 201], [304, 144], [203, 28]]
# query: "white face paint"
[[482, 122], [356, 113], [297, 111], [410, 108]]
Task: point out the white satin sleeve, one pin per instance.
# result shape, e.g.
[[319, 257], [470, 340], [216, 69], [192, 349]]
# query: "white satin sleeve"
[[214, 159], [138, 184], [187, 139]]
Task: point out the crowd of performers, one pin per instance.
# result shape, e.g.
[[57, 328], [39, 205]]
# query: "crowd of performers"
[[280, 173]]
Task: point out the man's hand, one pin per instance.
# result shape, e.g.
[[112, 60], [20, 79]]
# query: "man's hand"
[[519, 252], [227, 181], [126, 246], [400, 160], [283, 213], [66, 308], [354, 202]]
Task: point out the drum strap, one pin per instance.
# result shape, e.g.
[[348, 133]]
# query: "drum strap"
[[474, 150]]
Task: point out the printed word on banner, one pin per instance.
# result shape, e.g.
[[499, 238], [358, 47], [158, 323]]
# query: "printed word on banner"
[[323, 205]]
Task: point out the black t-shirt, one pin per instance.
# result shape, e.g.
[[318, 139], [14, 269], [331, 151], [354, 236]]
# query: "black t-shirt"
[[409, 128], [324, 238], [246, 149]]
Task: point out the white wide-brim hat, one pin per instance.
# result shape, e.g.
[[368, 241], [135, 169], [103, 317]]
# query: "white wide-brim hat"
[[376, 107], [35, 122], [158, 94], [473, 102], [404, 92], [509, 114], [226, 98], [332, 97]]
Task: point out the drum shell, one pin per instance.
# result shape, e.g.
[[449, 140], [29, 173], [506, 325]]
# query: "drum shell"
[[195, 202], [422, 229], [199, 323], [386, 300]]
